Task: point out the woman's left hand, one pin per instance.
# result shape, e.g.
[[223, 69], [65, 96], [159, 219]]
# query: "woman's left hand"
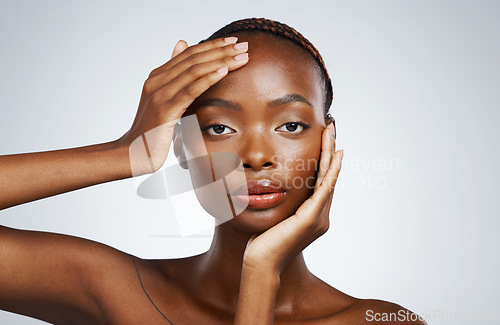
[[272, 250], [267, 254]]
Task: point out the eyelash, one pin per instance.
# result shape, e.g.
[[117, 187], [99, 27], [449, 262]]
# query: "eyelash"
[[304, 126], [207, 128]]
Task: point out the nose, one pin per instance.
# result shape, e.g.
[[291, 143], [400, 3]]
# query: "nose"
[[257, 153]]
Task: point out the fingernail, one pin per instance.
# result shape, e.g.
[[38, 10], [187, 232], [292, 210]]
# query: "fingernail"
[[241, 46], [222, 70], [241, 57], [231, 39], [331, 130], [341, 154]]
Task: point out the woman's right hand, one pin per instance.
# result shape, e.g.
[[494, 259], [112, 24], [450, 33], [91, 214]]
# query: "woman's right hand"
[[168, 92]]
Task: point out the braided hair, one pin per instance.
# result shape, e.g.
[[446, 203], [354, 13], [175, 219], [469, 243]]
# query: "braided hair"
[[283, 31]]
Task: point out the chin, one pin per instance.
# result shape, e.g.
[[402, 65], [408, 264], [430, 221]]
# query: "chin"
[[256, 221]]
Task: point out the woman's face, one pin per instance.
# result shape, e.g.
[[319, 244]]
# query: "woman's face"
[[270, 113]]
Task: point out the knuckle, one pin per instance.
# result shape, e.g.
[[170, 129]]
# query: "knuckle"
[[222, 52], [168, 103], [156, 99], [190, 91], [149, 86], [193, 58], [211, 79], [190, 50], [218, 42], [154, 72], [227, 50], [194, 70], [227, 60]]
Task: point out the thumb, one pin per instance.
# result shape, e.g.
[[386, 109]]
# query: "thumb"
[[179, 47]]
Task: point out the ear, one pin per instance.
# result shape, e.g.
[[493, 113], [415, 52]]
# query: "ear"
[[179, 147], [329, 119]]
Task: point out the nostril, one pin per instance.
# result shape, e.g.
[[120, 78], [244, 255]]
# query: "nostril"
[[267, 164]]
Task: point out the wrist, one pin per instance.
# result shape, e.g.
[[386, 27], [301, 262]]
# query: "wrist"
[[116, 156], [253, 262], [257, 297], [263, 274]]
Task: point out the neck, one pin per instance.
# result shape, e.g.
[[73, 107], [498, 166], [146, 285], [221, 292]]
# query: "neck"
[[219, 271]]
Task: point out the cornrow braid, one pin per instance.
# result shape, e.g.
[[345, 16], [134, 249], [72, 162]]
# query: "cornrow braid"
[[280, 30]]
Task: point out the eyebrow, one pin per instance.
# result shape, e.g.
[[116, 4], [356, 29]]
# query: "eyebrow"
[[287, 99]]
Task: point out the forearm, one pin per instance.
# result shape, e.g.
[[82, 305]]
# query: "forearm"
[[257, 297], [32, 176]]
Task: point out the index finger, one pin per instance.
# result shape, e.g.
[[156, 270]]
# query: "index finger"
[[326, 153]]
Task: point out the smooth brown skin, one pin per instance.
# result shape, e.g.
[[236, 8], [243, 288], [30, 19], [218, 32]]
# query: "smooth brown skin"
[[243, 278]]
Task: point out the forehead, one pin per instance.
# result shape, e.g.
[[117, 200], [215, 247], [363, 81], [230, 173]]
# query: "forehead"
[[276, 68]]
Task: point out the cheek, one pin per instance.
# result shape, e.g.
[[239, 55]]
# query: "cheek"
[[298, 165], [213, 177]]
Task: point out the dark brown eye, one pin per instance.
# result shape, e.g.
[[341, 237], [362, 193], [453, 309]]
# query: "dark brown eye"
[[218, 129], [292, 127]]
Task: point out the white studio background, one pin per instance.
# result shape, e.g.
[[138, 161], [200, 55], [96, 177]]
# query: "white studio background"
[[414, 219]]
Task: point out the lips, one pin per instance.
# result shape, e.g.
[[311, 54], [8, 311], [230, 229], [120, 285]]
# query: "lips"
[[260, 194]]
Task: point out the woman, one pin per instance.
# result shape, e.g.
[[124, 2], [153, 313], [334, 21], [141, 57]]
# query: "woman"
[[258, 89]]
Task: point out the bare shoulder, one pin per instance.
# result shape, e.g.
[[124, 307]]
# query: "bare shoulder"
[[372, 311], [57, 278]]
